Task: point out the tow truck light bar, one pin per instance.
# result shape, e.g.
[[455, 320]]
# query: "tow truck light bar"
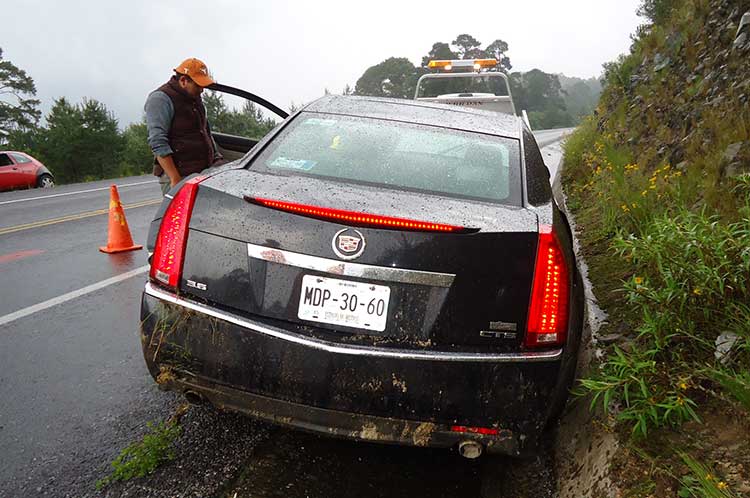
[[475, 64]]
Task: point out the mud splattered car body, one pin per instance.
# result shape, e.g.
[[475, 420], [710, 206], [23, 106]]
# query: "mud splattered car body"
[[439, 222]]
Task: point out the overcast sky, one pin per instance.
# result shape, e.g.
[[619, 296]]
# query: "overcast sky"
[[287, 51]]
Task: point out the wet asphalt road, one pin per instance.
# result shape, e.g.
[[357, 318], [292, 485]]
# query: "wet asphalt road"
[[75, 390]]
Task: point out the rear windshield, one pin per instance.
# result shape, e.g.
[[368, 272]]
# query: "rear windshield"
[[431, 87], [398, 155]]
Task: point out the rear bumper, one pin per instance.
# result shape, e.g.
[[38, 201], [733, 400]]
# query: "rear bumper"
[[378, 394], [336, 423]]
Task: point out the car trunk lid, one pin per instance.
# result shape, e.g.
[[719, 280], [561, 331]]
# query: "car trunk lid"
[[462, 290]]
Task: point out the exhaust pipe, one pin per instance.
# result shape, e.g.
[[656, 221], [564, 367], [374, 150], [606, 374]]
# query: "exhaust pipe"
[[194, 398], [470, 449]]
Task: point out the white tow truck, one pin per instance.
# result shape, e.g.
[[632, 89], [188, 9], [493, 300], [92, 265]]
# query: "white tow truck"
[[468, 82]]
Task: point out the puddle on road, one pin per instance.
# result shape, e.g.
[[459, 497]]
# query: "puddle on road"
[[121, 262], [299, 465]]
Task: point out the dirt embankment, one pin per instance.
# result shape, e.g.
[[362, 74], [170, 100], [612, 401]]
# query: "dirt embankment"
[[670, 140]]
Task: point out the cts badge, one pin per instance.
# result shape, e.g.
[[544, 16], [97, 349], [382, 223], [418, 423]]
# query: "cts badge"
[[348, 243]]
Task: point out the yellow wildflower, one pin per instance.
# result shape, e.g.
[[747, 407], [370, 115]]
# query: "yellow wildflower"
[[683, 385], [643, 194], [638, 280], [722, 485], [697, 291], [680, 400], [709, 477]]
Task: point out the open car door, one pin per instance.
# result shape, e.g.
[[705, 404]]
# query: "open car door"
[[233, 147]]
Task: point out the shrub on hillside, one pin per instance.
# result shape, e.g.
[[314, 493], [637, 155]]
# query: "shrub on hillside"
[[690, 287]]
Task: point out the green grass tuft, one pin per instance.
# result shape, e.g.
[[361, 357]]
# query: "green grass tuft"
[[143, 457]]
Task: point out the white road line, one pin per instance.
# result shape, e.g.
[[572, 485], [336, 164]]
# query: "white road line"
[[77, 192], [71, 295]]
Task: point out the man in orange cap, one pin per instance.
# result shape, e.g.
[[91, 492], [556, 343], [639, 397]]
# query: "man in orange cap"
[[178, 131]]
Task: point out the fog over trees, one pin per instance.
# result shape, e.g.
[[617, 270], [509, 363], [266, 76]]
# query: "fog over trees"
[[551, 100], [82, 141]]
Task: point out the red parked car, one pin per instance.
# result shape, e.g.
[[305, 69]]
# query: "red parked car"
[[20, 170]]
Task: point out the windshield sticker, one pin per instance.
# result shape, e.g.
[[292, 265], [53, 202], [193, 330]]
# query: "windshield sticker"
[[298, 164], [320, 122]]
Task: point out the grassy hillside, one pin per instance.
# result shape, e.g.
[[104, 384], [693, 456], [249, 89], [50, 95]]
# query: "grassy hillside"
[[658, 182]]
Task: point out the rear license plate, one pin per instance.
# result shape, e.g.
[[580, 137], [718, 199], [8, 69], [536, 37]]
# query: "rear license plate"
[[341, 302]]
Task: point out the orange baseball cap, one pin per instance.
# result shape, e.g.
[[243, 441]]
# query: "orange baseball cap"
[[196, 70]]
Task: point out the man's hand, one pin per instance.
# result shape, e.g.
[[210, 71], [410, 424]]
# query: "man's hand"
[[167, 164]]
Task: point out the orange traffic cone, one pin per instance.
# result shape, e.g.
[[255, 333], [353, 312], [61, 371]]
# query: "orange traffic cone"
[[119, 239]]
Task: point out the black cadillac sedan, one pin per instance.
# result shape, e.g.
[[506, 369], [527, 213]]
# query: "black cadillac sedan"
[[376, 269]]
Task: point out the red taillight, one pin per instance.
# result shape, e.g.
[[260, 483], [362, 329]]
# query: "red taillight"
[[166, 263], [548, 312], [356, 218], [487, 431]]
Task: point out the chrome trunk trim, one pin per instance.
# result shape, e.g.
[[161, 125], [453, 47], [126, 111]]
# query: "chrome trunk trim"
[[330, 347], [348, 269]]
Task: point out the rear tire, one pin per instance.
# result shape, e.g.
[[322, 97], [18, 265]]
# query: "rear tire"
[[45, 181]]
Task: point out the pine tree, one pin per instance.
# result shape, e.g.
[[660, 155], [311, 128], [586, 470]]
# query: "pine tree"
[[17, 110]]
